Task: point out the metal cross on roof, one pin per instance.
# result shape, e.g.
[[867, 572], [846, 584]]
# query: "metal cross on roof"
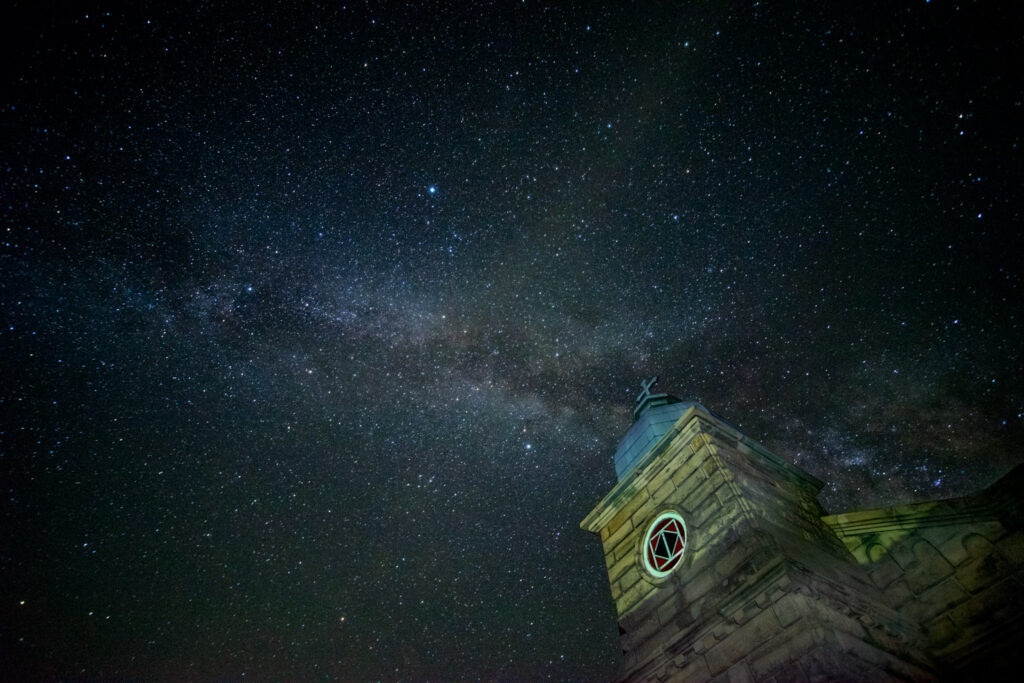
[[647, 388]]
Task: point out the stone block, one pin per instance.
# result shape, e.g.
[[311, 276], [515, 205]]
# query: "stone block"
[[689, 468], [704, 643], [661, 478], [674, 611], [900, 544], [1002, 596], [884, 570], [991, 530], [618, 567], [763, 600], [743, 614], [737, 644], [609, 561], [614, 539], [859, 660], [733, 554], [630, 577], [941, 631], [645, 514], [627, 599], [897, 594], [780, 654], [713, 523], [740, 673], [976, 545], [700, 584], [833, 610], [791, 673], [938, 536], [953, 549], [981, 572], [722, 630], [627, 510], [627, 582], [667, 493], [828, 663], [725, 495], [696, 669], [789, 608], [937, 600], [1012, 548], [928, 568], [627, 546], [639, 626], [697, 497]]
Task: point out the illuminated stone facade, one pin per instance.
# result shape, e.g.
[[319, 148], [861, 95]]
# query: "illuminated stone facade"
[[769, 587]]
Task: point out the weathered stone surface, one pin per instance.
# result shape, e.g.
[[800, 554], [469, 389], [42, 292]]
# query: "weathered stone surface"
[[695, 670], [627, 511], [938, 535], [643, 517], [928, 567], [740, 673], [790, 673], [941, 631], [1012, 547], [898, 593], [640, 631], [628, 545], [630, 577], [663, 476], [616, 538], [780, 654], [626, 598], [730, 557], [982, 605], [703, 582], [691, 467], [675, 610], [981, 572], [884, 569], [737, 644], [953, 549], [938, 599], [789, 608], [976, 545], [991, 530]]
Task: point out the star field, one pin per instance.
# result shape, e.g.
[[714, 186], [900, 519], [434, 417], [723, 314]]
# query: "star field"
[[319, 326]]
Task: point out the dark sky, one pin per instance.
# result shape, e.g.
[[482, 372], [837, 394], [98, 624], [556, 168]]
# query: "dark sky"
[[320, 326]]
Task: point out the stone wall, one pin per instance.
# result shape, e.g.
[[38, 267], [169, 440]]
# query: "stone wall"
[[957, 568], [768, 591]]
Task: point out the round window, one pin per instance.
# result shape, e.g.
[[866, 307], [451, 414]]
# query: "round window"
[[664, 544]]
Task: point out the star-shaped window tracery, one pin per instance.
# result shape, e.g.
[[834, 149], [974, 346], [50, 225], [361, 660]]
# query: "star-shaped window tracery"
[[665, 544]]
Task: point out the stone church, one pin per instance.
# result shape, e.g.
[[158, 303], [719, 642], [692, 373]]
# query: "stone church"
[[723, 566]]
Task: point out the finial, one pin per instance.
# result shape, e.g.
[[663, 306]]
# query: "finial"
[[647, 388]]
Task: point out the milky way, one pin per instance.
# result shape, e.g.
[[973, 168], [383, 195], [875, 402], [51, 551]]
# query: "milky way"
[[320, 325]]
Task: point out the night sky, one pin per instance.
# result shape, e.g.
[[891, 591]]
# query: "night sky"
[[320, 326]]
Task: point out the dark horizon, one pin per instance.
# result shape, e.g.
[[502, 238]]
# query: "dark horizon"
[[321, 325]]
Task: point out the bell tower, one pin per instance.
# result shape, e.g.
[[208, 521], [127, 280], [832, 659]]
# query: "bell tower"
[[720, 563]]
